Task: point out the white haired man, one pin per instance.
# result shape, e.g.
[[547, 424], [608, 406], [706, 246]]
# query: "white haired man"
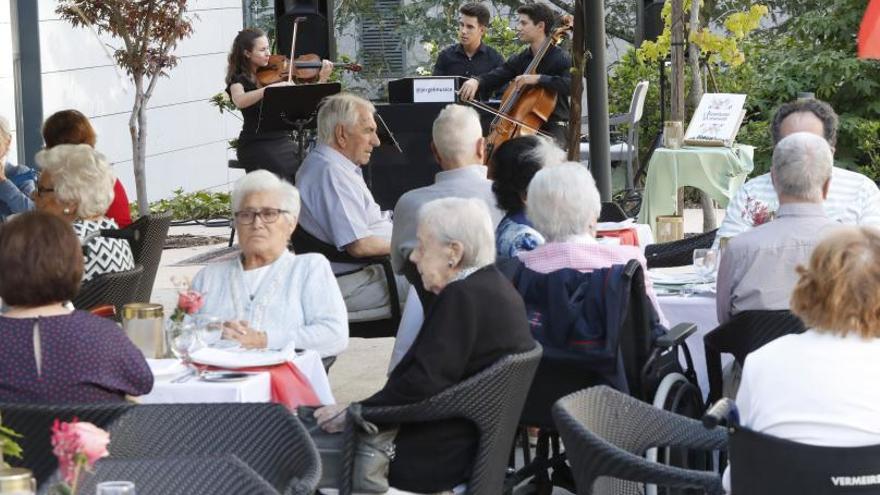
[[852, 200], [459, 148], [758, 267], [337, 206]]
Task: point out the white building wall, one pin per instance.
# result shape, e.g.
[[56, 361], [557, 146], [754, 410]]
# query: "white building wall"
[[7, 83], [187, 137]]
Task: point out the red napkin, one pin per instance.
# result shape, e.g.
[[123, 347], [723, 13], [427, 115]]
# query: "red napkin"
[[628, 236], [289, 385]]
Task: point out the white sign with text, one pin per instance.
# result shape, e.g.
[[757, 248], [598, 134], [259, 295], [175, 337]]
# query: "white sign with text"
[[434, 90]]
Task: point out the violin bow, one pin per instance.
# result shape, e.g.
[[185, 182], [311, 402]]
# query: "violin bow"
[[293, 48]]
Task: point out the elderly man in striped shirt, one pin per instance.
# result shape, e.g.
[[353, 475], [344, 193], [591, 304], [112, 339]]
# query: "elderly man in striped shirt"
[[853, 199]]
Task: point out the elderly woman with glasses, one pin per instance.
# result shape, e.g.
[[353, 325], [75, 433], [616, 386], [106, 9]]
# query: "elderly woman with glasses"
[[477, 319], [268, 297], [76, 184]]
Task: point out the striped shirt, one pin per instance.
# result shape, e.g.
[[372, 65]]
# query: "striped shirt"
[[853, 199]]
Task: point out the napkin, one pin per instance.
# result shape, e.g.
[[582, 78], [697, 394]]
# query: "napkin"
[[239, 357], [629, 222]]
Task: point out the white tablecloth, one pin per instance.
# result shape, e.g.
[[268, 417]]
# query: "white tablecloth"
[[253, 389], [700, 310]]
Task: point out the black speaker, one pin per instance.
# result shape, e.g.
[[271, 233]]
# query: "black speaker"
[[315, 33], [653, 21]]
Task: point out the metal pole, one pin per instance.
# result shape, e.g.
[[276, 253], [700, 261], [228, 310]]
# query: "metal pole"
[[597, 97], [28, 79]]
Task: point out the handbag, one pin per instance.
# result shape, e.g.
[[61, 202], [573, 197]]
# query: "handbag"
[[374, 450]]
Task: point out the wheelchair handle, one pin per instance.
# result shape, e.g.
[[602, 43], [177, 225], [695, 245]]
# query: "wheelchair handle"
[[722, 412]]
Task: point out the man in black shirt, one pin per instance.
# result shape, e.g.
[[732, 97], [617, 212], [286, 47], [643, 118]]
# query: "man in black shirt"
[[471, 57], [533, 25]]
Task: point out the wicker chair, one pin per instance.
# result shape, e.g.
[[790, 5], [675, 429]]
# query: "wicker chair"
[[34, 423], [606, 433], [148, 234], [746, 332], [117, 288], [678, 253], [492, 399], [304, 242], [189, 475], [266, 437]]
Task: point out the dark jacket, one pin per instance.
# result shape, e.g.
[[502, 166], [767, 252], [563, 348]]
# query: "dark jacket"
[[473, 323]]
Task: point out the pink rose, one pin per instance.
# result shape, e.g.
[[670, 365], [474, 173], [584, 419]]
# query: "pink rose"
[[190, 301], [76, 444]]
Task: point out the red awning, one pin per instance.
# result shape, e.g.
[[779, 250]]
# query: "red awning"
[[869, 33]]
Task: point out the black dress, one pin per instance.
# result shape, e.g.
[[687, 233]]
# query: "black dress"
[[472, 324], [273, 151]]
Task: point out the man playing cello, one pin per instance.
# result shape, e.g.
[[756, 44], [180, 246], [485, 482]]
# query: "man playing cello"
[[533, 25]]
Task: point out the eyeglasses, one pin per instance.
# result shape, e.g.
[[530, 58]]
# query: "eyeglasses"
[[267, 215], [44, 190]]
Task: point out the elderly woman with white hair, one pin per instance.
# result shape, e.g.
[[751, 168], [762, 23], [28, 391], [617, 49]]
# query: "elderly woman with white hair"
[[17, 182], [76, 184], [269, 297], [477, 318], [564, 207]]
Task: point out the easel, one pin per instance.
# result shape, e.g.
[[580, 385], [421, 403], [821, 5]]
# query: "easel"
[[293, 108]]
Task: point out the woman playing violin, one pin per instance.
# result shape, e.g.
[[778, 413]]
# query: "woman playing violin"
[[272, 151], [534, 23]]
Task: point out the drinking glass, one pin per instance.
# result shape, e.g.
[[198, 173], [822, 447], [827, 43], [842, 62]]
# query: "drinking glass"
[[210, 329], [115, 488], [182, 340], [705, 262]]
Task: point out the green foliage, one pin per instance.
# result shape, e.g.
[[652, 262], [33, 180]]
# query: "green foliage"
[[200, 205], [8, 446]]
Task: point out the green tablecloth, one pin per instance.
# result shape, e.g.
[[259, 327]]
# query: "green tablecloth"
[[719, 172]]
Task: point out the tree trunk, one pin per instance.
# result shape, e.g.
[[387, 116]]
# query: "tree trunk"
[[676, 112], [577, 83], [137, 122]]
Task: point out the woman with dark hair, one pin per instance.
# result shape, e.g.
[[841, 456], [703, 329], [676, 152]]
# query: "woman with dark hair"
[[51, 354], [72, 127], [514, 163], [272, 151]]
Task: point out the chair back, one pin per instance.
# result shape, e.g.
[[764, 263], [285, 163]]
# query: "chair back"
[[148, 239], [304, 242], [606, 434], [266, 437], [637, 104], [611, 212], [117, 288], [491, 399], [189, 475], [678, 253], [763, 465], [34, 423], [741, 335]]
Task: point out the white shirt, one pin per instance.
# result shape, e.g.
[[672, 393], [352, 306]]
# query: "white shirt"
[[814, 388], [853, 199], [297, 300]]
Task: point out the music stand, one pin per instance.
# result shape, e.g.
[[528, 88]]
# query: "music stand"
[[286, 108]]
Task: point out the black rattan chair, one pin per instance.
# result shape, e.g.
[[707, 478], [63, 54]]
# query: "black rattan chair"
[[678, 253], [34, 423], [147, 239], [304, 242], [611, 212], [606, 434], [492, 399], [180, 475], [118, 289], [742, 334], [266, 437]]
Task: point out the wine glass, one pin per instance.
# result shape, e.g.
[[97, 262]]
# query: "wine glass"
[[705, 262], [210, 329], [182, 340]]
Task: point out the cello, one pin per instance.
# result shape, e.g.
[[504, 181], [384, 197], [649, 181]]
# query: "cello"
[[523, 110]]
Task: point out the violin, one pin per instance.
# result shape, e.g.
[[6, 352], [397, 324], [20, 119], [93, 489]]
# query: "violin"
[[523, 110], [306, 69]]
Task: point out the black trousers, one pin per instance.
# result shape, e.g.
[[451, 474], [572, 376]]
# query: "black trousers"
[[277, 154]]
